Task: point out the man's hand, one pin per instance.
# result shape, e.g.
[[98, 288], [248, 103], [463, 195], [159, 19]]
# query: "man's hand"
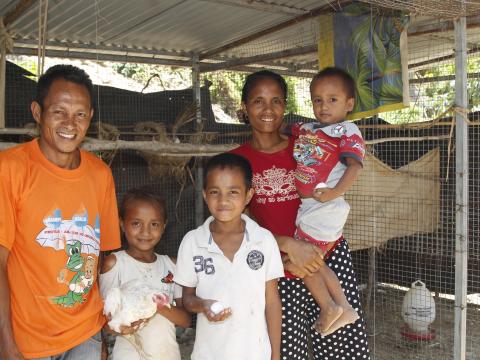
[[13, 355], [8, 347]]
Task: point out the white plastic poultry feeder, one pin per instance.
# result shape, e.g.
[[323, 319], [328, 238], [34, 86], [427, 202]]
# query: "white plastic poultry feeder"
[[418, 312]]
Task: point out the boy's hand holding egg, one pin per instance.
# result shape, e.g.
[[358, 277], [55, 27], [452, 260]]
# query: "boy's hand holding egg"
[[216, 311]]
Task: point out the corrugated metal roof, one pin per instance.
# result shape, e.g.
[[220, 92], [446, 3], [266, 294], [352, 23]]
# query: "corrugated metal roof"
[[181, 25], [174, 30]]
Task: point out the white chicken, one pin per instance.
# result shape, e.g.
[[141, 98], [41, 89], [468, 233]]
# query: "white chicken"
[[132, 301]]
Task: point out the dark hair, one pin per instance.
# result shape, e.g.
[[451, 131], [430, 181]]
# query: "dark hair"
[[143, 195], [66, 72], [230, 161], [345, 77], [255, 77]]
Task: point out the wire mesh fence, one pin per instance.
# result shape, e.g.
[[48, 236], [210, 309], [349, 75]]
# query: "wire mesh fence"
[[402, 222], [449, 8]]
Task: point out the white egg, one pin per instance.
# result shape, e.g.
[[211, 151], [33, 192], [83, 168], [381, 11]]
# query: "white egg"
[[217, 307]]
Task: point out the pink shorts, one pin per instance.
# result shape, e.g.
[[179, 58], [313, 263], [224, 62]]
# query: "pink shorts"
[[323, 245]]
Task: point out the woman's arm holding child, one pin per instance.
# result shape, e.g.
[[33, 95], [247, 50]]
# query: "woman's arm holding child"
[[197, 305], [304, 257], [273, 314], [346, 181]]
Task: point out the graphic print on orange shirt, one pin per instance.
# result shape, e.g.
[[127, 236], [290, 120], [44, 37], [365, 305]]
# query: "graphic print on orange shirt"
[[81, 243]]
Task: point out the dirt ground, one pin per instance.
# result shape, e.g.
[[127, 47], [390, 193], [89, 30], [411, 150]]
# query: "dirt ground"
[[386, 341]]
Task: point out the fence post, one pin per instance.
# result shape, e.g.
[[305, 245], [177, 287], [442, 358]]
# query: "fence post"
[[461, 189], [3, 71], [198, 126]]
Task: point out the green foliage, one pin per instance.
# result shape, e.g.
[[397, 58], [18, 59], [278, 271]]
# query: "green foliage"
[[29, 64], [433, 98], [429, 99], [226, 89], [292, 105], [391, 93], [363, 90], [376, 41], [163, 77]]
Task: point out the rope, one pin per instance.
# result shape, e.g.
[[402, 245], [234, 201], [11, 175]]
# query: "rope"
[[463, 112], [42, 35], [6, 39]]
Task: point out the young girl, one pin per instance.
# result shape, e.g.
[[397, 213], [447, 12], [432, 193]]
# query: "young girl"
[[142, 220], [274, 206]]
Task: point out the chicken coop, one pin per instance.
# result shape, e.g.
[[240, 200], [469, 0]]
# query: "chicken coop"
[[415, 214]]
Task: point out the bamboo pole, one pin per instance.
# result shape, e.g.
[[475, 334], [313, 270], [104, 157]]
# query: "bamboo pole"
[[198, 150], [199, 215]]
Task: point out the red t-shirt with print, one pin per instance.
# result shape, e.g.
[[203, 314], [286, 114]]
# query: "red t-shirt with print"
[[275, 202]]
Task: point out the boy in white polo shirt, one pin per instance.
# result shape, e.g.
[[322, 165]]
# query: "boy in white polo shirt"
[[228, 268]]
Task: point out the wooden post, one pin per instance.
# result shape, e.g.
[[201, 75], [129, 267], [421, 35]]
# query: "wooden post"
[[461, 190], [199, 217]]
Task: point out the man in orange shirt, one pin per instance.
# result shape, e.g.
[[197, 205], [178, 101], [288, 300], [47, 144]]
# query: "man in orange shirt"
[[58, 211]]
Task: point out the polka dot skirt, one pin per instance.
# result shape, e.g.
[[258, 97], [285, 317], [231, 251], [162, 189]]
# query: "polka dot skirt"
[[300, 311]]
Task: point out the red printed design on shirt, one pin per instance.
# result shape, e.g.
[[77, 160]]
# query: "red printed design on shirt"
[[275, 202], [318, 150], [273, 182]]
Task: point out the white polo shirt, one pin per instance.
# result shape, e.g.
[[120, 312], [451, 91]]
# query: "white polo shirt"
[[239, 285]]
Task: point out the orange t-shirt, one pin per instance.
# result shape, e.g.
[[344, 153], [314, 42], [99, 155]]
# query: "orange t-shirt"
[[55, 222]]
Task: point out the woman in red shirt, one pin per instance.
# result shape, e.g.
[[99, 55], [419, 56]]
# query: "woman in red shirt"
[[274, 206]]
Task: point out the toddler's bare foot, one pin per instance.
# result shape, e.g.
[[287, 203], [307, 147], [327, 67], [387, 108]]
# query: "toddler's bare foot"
[[327, 318], [348, 316]]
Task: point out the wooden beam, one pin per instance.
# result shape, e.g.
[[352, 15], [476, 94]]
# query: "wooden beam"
[[309, 65], [259, 58], [442, 78], [262, 6], [441, 58], [130, 58], [19, 131], [103, 48], [196, 150], [103, 57], [287, 72], [161, 148], [313, 13], [18, 11], [447, 25]]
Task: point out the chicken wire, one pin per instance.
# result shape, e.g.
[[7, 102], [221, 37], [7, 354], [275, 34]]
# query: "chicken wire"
[[385, 271], [400, 139], [448, 8]]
